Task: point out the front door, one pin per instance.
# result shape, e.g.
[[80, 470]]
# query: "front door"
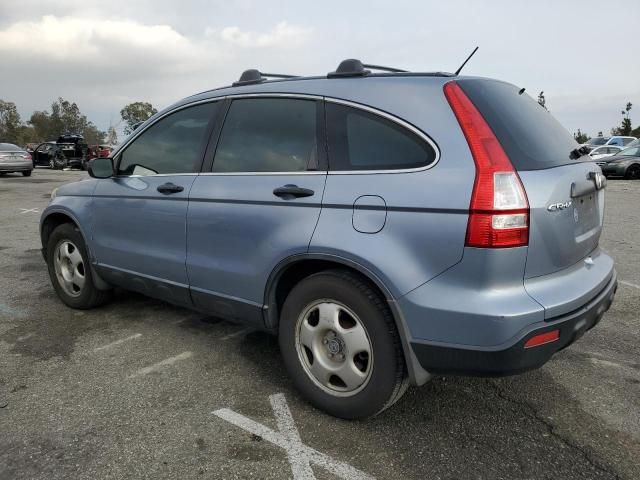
[[259, 204], [139, 221]]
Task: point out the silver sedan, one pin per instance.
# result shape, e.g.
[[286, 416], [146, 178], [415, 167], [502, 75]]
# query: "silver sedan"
[[14, 159]]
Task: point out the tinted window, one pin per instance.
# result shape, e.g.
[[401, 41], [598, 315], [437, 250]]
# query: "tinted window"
[[268, 135], [360, 140], [171, 145], [529, 134]]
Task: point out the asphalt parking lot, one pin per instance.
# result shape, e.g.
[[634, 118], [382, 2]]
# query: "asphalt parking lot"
[[138, 389]]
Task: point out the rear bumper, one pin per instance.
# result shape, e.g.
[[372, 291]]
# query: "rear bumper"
[[512, 357], [16, 167]]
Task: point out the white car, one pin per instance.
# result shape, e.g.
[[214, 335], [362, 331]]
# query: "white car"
[[605, 151], [618, 140]]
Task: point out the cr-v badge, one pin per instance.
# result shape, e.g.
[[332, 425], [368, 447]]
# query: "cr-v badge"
[[554, 207]]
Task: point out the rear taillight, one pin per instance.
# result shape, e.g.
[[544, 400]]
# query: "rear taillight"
[[499, 210], [26, 156]]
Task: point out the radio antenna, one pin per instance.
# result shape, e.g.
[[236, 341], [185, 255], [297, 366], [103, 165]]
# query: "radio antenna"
[[465, 62]]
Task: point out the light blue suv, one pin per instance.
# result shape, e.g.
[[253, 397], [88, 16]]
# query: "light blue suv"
[[386, 226]]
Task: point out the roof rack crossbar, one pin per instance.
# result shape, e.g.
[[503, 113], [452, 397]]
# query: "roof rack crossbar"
[[384, 69], [253, 76], [278, 75]]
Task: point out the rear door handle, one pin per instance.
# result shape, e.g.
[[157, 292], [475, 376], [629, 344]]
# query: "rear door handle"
[[288, 192], [169, 188]]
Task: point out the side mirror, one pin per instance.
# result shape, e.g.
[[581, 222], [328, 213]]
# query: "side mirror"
[[101, 167]]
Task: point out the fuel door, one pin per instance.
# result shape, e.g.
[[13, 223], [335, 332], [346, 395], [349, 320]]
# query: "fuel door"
[[369, 214]]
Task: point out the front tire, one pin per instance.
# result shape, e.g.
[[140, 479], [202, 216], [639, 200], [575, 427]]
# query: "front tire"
[[340, 345], [70, 271]]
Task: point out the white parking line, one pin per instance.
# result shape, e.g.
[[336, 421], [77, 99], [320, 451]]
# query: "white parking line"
[[629, 284], [163, 363], [287, 437], [29, 210], [117, 342], [236, 334]]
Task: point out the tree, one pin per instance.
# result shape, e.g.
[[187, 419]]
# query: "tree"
[[65, 117], [136, 112], [9, 123], [625, 127], [581, 137], [112, 136], [542, 101]]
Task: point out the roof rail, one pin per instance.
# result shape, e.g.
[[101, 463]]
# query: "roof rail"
[[253, 76]]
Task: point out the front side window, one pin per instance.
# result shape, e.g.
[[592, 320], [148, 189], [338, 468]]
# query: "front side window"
[[173, 144], [268, 135], [627, 141], [359, 140]]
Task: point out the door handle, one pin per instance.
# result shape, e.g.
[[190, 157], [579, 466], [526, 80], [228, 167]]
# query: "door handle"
[[288, 192], [169, 188]]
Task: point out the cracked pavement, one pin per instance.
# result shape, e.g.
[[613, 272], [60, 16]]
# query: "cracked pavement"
[[127, 391]]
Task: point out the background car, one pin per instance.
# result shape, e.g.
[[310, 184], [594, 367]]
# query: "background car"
[[96, 151], [618, 140], [67, 151], [625, 164], [14, 159], [604, 151]]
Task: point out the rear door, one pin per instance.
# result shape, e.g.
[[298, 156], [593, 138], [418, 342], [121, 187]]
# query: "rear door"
[[258, 204], [139, 220]]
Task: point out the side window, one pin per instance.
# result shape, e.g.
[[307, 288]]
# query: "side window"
[[627, 141], [173, 144], [359, 140], [268, 135]]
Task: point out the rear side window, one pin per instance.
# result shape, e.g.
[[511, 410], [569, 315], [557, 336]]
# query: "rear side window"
[[174, 144], [268, 135], [529, 134], [359, 140]]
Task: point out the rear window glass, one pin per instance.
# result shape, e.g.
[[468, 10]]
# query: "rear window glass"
[[9, 147], [529, 134]]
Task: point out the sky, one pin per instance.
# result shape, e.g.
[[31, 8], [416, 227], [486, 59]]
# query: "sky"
[[105, 54]]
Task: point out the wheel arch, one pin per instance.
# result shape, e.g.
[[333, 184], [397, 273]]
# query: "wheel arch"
[[293, 269]]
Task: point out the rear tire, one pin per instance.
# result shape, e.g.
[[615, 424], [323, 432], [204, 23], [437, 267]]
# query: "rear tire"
[[27, 173], [632, 173], [347, 360], [70, 270]]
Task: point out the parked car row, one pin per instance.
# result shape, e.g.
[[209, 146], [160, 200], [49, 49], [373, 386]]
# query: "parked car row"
[[68, 151], [625, 164], [616, 140]]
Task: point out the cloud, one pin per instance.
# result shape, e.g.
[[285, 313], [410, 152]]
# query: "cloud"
[[95, 42], [104, 63], [282, 35]]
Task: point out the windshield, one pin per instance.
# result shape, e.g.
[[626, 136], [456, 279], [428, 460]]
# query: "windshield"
[[597, 141], [630, 152]]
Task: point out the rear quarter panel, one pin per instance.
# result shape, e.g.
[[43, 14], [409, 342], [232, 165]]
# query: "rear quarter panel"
[[426, 213]]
